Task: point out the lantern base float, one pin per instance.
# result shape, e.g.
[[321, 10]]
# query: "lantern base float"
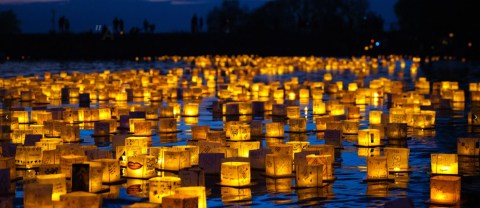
[[298, 132], [307, 187], [168, 132], [436, 204], [367, 180], [246, 185], [331, 179], [282, 176], [392, 171], [369, 146], [119, 182], [52, 136]]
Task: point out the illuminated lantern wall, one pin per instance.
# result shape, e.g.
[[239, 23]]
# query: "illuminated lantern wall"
[[70, 133], [198, 191], [297, 124], [445, 189], [468, 146], [28, 156], [67, 161], [160, 187], [321, 122], [326, 161], [396, 131], [141, 166], [110, 170], [180, 201], [190, 109], [369, 137], [59, 184], [9, 163], [278, 165], [239, 132], [375, 117], [377, 167], [397, 158], [293, 112], [244, 147], [444, 163], [80, 199], [318, 107], [37, 195], [350, 126], [167, 125], [235, 173], [175, 159], [274, 129]]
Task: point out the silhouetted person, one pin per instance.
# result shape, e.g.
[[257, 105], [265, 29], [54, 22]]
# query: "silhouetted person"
[[194, 24], [146, 25]]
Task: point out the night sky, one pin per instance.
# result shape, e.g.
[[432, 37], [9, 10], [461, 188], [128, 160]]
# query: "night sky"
[[167, 15]]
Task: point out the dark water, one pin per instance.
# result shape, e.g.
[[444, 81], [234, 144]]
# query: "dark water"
[[348, 190]]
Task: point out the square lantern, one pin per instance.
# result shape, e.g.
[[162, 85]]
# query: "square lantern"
[[444, 164], [217, 136], [445, 189], [321, 122], [28, 156], [369, 137], [308, 175], [282, 149], [353, 112], [397, 115], [80, 199], [87, 177], [140, 127], [337, 109], [377, 167], [350, 126], [334, 137], [59, 184], [180, 201], [397, 158], [9, 163], [176, 159], [141, 166], [190, 109], [70, 133], [67, 161], [293, 112], [239, 132], [298, 146], [244, 147], [235, 173], [257, 158], [110, 170], [375, 117], [318, 107], [280, 110], [167, 125], [37, 195], [467, 146], [327, 164], [274, 129], [335, 125], [101, 128], [160, 187], [22, 116], [396, 131], [297, 125], [278, 165], [200, 132], [193, 151], [211, 162], [198, 191]]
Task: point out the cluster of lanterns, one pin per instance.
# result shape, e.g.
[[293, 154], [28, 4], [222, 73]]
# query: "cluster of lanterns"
[[61, 171]]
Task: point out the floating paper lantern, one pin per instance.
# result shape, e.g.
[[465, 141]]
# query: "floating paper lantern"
[[194, 151], [22, 116], [298, 146], [326, 161], [110, 170], [101, 128], [198, 191], [397, 158], [160, 187], [180, 201], [67, 161], [318, 107], [274, 129], [396, 131], [87, 177], [190, 109], [235, 173], [59, 184], [466, 146], [239, 132], [321, 122], [397, 115], [445, 189], [458, 96], [375, 117], [280, 110], [444, 163], [140, 127], [9, 163], [80, 199], [308, 175], [244, 147], [28, 156], [368, 137], [70, 133], [175, 159], [297, 124], [377, 167], [350, 126], [141, 166], [37, 195], [200, 132], [293, 112], [167, 125], [278, 165]]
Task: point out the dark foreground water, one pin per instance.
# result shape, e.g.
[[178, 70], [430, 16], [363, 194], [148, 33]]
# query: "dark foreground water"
[[348, 190]]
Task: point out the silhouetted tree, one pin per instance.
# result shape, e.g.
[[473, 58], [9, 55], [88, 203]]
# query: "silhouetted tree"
[[152, 28], [146, 25], [9, 22], [227, 18], [200, 25], [116, 24], [194, 24], [61, 24], [120, 25]]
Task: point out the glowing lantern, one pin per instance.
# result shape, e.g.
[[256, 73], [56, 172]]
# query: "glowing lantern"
[[70, 133], [141, 166], [350, 126], [318, 107], [167, 125], [368, 137], [293, 112], [445, 189], [67, 161], [22, 116], [321, 122], [140, 127], [458, 96], [235, 173], [38, 195], [87, 177], [297, 124], [101, 128], [176, 159], [281, 110], [397, 158], [375, 117], [274, 129], [180, 201], [377, 167], [193, 151], [298, 146], [397, 115], [278, 165], [104, 113], [80, 199], [244, 147], [28, 156], [111, 170], [200, 132], [59, 184], [190, 109], [325, 161], [198, 191], [239, 132], [160, 187], [308, 175], [444, 163], [466, 146], [396, 131]]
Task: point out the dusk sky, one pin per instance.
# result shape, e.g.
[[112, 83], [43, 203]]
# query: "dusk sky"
[[167, 15]]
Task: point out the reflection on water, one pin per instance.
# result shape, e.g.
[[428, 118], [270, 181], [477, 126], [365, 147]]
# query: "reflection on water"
[[349, 166]]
